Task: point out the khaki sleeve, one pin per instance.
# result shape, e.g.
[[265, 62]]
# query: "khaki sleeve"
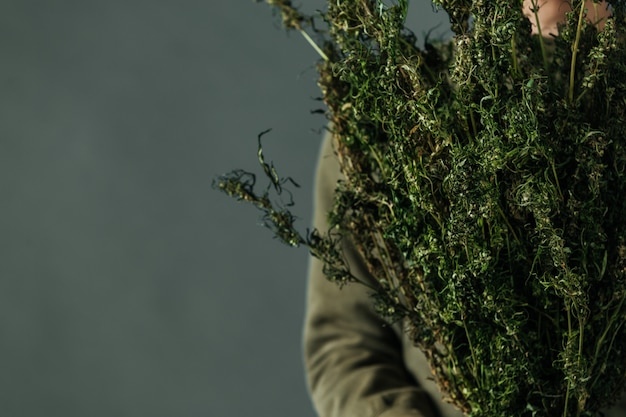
[[353, 358]]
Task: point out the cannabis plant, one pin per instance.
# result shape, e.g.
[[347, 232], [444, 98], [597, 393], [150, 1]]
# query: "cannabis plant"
[[484, 183]]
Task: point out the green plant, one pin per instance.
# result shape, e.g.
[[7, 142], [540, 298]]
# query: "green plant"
[[484, 186]]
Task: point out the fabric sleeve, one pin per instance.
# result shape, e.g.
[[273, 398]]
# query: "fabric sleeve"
[[353, 358]]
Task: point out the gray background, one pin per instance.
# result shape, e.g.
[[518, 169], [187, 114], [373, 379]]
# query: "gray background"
[[128, 287]]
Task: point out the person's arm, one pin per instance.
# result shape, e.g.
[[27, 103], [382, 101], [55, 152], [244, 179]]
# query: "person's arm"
[[353, 358]]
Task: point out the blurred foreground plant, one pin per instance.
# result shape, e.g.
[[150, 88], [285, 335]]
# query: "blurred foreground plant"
[[484, 186]]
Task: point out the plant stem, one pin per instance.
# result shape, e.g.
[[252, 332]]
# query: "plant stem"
[[568, 308], [516, 72], [572, 71], [314, 45], [542, 45]]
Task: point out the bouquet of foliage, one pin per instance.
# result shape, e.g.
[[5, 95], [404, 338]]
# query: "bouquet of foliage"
[[484, 186]]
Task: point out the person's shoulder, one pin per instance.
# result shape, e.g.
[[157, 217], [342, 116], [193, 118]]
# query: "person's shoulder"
[[328, 167]]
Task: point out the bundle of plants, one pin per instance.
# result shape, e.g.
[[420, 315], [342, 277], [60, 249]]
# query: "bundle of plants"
[[484, 183]]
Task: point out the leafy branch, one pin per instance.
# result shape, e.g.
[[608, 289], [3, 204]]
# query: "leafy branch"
[[484, 183]]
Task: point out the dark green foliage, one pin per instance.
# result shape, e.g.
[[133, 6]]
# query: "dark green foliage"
[[484, 185]]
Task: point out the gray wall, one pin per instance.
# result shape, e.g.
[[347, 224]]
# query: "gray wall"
[[128, 287]]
